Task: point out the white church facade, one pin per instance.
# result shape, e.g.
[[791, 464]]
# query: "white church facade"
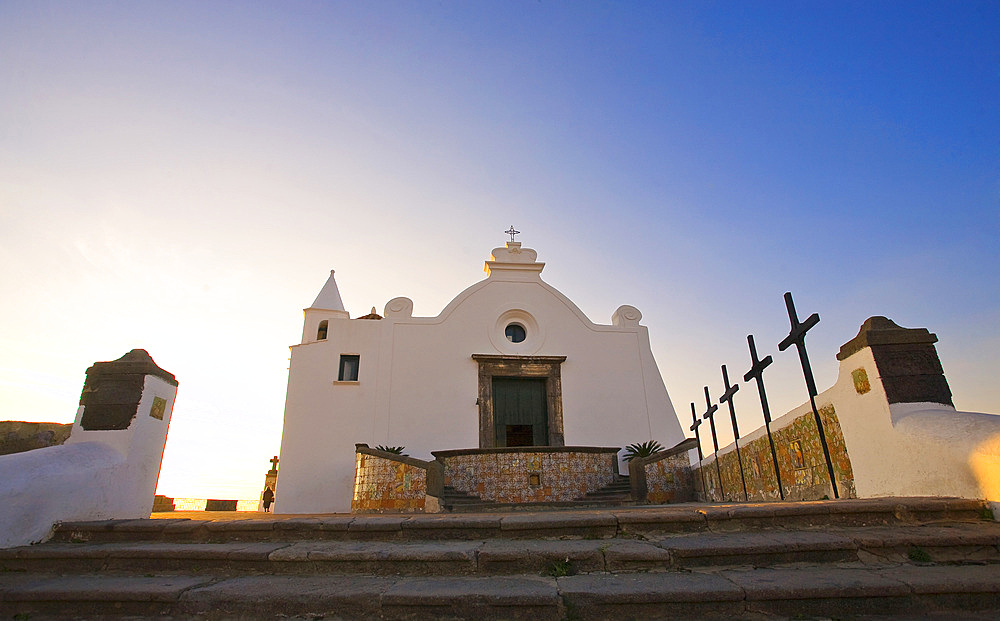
[[509, 362]]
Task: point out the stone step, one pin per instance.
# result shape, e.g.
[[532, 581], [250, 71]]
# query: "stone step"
[[642, 521], [974, 542], [840, 592]]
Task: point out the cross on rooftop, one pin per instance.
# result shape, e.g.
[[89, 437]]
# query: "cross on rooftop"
[[512, 232], [274, 462]]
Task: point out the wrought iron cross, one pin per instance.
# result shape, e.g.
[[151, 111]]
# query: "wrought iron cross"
[[710, 415], [727, 397], [756, 372], [797, 336], [694, 427], [512, 232], [695, 423]]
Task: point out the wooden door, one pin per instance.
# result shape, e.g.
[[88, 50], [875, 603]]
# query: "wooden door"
[[520, 416]]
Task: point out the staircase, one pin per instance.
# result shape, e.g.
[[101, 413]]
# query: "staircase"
[[455, 500], [618, 492], [892, 558]]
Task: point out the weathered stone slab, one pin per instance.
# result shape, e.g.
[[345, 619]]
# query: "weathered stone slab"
[[624, 555], [380, 558], [551, 556], [522, 597], [667, 595], [346, 597], [99, 588], [948, 578], [666, 519], [376, 524], [240, 526], [759, 548], [557, 524], [463, 526], [830, 591]]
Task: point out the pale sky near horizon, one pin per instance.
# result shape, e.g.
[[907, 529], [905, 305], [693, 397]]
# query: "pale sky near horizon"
[[182, 176]]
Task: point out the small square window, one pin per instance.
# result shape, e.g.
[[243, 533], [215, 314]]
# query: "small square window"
[[349, 368]]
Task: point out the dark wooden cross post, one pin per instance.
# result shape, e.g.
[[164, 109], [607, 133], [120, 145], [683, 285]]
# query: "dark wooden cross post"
[[710, 415], [756, 372], [695, 423], [727, 397], [274, 463], [797, 337]]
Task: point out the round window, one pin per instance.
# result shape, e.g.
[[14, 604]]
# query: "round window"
[[515, 333]]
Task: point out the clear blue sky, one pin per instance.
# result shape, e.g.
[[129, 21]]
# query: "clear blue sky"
[[181, 177]]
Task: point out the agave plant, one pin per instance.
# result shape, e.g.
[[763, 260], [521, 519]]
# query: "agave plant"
[[642, 450], [397, 450]]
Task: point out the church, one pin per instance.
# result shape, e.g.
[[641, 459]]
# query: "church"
[[509, 362]]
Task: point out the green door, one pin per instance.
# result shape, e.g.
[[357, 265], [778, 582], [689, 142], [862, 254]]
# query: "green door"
[[520, 417]]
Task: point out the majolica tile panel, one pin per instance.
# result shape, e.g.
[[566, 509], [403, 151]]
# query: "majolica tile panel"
[[382, 485], [530, 477], [804, 474], [669, 480]]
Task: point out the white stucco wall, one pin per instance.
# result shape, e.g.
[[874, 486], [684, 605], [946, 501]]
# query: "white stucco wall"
[[915, 449], [418, 382], [94, 475]]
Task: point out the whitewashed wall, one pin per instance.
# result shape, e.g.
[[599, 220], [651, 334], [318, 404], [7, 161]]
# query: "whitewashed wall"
[[95, 475]]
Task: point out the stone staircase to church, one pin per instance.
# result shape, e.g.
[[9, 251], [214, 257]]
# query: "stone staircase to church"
[[618, 492], [872, 558]]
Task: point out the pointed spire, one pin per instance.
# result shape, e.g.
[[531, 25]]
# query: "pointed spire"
[[329, 296]]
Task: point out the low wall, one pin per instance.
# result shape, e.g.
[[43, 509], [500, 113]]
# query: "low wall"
[[529, 474], [19, 436], [387, 482], [664, 477], [804, 475]]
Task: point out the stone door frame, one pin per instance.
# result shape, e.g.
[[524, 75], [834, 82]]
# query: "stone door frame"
[[538, 367]]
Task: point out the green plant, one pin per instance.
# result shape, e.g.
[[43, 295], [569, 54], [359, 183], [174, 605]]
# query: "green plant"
[[561, 569], [919, 555], [397, 450], [644, 449]]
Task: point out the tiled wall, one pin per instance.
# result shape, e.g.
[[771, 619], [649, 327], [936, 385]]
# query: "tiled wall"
[[669, 480], [510, 477], [804, 474], [385, 485]]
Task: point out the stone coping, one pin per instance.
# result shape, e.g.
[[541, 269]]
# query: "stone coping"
[[685, 445], [406, 459], [879, 330], [525, 449]]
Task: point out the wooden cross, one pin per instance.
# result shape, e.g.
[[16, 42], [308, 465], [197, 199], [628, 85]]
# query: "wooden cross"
[[727, 397], [756, 372], [512, 232], [274, 462]]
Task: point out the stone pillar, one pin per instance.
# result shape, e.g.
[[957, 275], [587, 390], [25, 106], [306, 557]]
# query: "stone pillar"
[[109, 466], [127, 404], [906, 359]]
